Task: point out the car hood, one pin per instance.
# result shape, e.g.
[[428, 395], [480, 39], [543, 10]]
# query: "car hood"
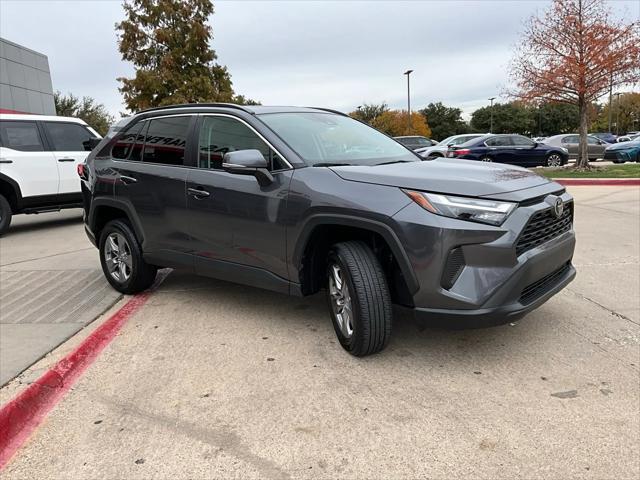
[[623, 146], [443, 175]]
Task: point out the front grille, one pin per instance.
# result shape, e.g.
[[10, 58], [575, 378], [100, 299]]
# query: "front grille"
[[453, 267], [543, 226], [542, 286]]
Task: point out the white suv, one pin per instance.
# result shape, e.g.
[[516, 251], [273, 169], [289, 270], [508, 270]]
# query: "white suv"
[[38, 163]]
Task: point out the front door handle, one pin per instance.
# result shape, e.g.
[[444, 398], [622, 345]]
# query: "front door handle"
[[198, 192], [5, 160], [66, 159], [127, 180]]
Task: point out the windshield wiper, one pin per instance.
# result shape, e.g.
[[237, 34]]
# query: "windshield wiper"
[[395, 161], [331, 164]]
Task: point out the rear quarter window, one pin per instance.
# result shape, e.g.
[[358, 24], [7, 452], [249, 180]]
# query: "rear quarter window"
[[21, 136]]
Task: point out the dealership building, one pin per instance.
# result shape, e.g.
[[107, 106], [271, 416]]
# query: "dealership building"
[[25, 80]]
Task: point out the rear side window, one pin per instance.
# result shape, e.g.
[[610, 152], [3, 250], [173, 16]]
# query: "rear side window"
[[125, 142], [570, 139], [68, 137], [166, 140], [498, 142], [219, 135], [22, 136]]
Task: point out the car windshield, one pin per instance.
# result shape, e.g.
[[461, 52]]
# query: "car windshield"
[[326, 139]]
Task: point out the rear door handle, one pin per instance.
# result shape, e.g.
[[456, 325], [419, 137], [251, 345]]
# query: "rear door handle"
[[66, 159], [127, 180], [198, 192], [5, 160]]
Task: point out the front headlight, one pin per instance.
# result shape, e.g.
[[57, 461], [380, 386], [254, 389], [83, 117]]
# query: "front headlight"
[[492, 212], [565, 150]]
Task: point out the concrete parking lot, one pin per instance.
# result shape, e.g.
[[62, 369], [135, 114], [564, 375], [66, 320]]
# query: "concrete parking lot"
[[212, 379]]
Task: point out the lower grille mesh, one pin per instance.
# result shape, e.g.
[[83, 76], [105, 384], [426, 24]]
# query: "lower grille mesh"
[[542, 286]]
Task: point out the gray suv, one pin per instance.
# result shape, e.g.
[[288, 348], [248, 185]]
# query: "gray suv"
[[296, 200]]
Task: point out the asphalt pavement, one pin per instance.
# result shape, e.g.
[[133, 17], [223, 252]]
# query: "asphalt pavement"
[[216, 380]]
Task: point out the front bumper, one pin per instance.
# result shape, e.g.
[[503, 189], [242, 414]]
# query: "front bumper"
[[498, 282]]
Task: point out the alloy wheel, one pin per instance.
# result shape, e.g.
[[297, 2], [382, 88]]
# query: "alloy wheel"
[[554, 160], [341, 300], [117, 256], [486, 159]]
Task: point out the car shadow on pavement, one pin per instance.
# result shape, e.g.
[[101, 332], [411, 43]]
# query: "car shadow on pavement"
[[307, 319], [48, 222]]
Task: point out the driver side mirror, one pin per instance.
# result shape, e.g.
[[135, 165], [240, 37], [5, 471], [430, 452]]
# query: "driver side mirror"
[[248, 162]]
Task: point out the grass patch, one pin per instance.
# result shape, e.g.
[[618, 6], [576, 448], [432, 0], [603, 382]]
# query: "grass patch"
[[625, 170]]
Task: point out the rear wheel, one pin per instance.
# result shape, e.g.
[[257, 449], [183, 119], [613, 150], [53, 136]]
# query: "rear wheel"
[[486, 159], [121, 259], [359, 298], [554, 160], [5, 214]]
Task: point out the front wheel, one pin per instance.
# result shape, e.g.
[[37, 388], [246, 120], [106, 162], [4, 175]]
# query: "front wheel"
[[554, 160], [5, 214], [359, 298], [121, 259]]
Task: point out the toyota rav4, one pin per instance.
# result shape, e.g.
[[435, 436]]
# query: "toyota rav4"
[[297, 200]]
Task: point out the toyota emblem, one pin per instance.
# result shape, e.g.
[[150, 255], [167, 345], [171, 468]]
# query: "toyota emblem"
[[558, 207]]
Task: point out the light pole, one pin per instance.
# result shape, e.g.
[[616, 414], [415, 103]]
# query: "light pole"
[[618, 113], [407, 73], [491, 110]]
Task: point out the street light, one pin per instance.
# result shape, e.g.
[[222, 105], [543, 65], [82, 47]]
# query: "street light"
[[407, 73], [491, 109], [618, 113]]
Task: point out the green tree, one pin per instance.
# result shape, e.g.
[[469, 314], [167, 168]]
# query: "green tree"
[[625, 110], [368, 112], [85, 108], [511, 117], [444, 121], [553, 118], [168, 43]]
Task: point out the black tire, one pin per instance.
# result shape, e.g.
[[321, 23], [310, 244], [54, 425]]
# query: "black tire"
[[370, 299], [141, 274], [486, 158], [5, 214]]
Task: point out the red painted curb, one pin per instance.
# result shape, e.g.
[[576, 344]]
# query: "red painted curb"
[[609, 182], [22, 415]]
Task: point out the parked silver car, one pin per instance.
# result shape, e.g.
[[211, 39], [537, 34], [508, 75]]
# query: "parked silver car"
[[440, 150], [571, 142]]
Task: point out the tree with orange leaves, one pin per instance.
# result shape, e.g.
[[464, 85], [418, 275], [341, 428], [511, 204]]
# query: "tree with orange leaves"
[[574, 53]]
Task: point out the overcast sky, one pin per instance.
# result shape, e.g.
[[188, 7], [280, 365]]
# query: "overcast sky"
[[335, 54]]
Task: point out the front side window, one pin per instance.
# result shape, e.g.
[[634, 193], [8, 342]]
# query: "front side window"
[[166, 140], [219, 135], [521, 141], [593, 141], [331, 139], [22, 136], [68, 137]]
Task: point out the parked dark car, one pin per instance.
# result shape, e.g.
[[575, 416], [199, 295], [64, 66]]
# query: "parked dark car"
[[606, 136], [624, 152], [415, 141], [297, 200], [512, 149]]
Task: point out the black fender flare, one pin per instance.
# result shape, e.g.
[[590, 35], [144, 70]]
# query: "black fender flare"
[[16, 188], [120, 205], [366, 224]]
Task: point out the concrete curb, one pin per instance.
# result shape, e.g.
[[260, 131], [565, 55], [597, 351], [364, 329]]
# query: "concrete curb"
[[599, 181], [22, 415]]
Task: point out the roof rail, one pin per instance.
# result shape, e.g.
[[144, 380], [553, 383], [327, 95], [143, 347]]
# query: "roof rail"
[[196, 105], [330, 111]]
